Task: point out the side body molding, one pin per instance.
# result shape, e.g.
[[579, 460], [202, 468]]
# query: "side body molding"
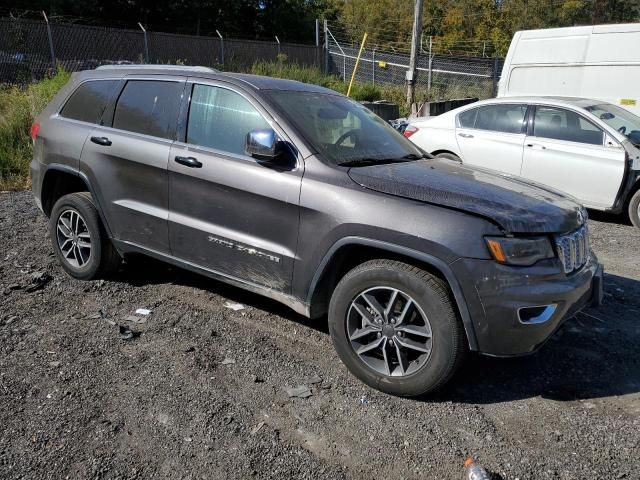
[[435, 262]]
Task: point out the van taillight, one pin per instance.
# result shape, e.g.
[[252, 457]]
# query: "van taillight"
[[410, 130], [35, 128]]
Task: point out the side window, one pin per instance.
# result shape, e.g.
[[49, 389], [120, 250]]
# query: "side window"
[[504, 118], [560, 124], [149, 107], [88, 101], [220, 118], [468, 119]]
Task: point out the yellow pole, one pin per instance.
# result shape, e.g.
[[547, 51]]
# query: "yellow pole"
[[355, 68]]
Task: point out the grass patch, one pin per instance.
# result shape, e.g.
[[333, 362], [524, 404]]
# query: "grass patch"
[[18, 108]]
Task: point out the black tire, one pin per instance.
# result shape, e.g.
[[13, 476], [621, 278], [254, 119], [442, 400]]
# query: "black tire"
[[432, 296], [103, 258], [449, 156], [634, 209]]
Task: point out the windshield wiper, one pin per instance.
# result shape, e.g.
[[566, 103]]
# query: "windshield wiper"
[[363, 162], [415, 156]]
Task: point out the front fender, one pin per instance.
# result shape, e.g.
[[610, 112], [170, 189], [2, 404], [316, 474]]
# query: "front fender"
[[426, 258]]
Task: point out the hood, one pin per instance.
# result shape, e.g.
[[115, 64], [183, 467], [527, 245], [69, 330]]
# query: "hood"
[[515, 204]]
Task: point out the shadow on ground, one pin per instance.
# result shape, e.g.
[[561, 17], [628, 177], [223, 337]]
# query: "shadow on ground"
[[606, 217], [594, 354]]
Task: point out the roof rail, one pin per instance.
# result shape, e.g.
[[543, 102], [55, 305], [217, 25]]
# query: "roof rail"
[[145, 66]]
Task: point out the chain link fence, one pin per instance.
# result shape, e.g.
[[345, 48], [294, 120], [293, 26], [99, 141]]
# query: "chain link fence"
[[442, 76], [30, 49]]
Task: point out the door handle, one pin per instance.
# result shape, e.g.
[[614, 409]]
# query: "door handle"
[[533, 145], [465, 135], [104, 141], [189, 162]]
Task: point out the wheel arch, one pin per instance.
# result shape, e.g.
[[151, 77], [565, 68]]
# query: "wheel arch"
[[348, 252], [444, 150], [60, 180]]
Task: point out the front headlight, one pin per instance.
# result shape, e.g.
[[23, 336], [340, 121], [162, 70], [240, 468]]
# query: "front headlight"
[[519, 251]]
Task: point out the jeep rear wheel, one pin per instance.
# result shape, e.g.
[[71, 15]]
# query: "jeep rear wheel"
[[79, 239], [395, 327]]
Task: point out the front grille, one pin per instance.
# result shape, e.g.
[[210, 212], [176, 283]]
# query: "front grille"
[[573, 249]]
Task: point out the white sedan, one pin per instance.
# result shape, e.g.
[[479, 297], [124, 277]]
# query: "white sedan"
[[586, 148]]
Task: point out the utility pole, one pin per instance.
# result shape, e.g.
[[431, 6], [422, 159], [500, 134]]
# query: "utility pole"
[[415, 45]]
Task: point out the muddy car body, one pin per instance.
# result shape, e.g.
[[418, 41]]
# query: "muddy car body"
[[295, 192]]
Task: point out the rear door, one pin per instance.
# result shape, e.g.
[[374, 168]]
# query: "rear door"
[[229, 212], [126, 159], [567, 151], [492, 136]]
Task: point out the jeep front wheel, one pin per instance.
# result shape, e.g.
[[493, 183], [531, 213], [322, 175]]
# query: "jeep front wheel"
[[395, 327]]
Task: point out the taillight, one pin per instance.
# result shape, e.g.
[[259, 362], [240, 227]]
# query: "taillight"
[[410, 130], [35, 128]]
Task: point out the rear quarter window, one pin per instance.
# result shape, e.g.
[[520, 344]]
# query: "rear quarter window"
[[88, 101], [468, 119]]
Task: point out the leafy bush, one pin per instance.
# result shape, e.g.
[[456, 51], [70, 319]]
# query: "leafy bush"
[[18, 108]]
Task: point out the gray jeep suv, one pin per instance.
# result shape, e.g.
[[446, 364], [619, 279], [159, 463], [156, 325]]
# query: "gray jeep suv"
[[298, 193]]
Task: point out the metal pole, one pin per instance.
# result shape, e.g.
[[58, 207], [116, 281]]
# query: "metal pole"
[[51, 51], [495, 76], [415, 40], [430, 63], [326, 48], [373, 65], [278, 40], [355, 68], [146, 45], [221, 48], [317, 32]]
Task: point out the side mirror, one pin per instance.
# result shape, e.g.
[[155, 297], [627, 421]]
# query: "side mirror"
[[610, 142], [263, 143]]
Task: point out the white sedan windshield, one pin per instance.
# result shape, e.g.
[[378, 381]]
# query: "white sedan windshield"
[[622, 120]]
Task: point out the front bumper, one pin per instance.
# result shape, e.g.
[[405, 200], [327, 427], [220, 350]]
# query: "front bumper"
[[496, 293]]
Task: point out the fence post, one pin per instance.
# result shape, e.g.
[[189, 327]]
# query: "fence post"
[[278, 40], [53, 55], [326, 48], [373, 65], [495, 77], [430, 63], [221, 48], [146, 45]]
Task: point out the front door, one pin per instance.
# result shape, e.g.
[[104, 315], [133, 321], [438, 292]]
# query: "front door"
[[568, 152], [492, 136], [126, 160], [229, 212]]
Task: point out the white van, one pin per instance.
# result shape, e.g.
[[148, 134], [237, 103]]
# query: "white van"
[[599, 62]]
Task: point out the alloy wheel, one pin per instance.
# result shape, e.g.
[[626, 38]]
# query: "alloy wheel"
[[389, 331], [73, 238]]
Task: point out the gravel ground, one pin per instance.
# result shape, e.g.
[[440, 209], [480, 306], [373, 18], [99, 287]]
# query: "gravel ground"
[[200, 392]]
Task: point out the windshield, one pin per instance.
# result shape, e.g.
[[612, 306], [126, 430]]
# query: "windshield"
[[622, 120], [344, 131]]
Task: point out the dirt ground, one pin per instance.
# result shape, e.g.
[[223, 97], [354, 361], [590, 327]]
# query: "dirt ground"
[[200, 392]]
